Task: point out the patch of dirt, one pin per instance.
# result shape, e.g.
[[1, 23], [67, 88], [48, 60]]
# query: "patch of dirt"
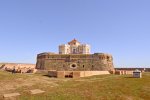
[[8, 85]]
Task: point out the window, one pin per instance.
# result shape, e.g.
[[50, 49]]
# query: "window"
[[73, 65], [74, 50]]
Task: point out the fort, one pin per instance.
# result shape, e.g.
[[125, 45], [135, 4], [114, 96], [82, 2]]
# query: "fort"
[[74, 56], [75, 62]]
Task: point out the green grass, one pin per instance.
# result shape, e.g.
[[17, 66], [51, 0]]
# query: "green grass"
[[103, 87]]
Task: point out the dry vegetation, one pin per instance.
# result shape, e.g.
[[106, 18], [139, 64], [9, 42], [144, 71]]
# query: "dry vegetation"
[[104, 87]]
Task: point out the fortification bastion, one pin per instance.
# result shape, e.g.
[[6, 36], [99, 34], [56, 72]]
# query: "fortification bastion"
[[74, 57]]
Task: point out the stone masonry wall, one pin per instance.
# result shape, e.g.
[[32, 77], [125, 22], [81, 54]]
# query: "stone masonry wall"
[[75, 62]]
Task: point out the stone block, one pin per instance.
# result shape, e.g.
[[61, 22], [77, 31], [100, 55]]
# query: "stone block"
[[36, 91], [11, 95], [52, 73], [129, 72], [76, 74], [118, 72], [60, 74]]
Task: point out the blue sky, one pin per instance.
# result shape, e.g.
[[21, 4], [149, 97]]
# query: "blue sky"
[[118, 27]]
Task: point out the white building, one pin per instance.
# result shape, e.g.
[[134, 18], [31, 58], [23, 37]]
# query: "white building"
[[74, 47]]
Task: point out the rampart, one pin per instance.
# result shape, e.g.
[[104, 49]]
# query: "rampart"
[[75, 62]]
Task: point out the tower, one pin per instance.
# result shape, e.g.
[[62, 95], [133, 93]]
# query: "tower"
[[74, 47]]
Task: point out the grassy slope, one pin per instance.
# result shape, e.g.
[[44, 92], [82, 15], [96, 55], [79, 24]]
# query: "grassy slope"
[[104, 87]]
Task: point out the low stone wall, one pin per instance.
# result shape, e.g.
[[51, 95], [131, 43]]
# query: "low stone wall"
[[52, 73], [129, 72], [75, 74], [123, 72], [131, 69], [60, 74], [91, 73], [147, 69]]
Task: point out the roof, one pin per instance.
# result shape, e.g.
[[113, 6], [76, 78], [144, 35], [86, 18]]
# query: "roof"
[[73, 41]]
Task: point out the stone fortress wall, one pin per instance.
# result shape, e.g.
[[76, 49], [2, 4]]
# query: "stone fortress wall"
[[75, 62]]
